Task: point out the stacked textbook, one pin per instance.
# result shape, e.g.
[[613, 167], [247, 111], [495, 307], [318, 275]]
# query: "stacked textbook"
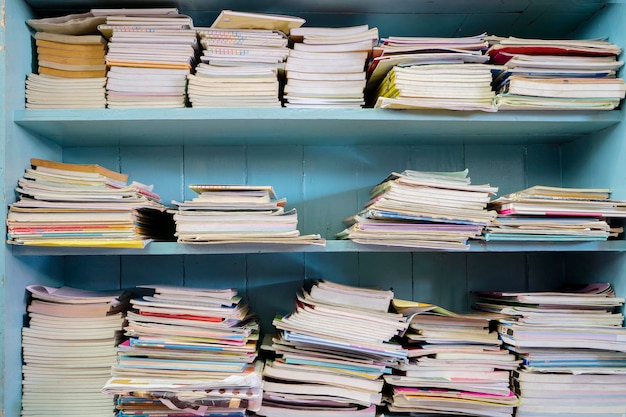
[[456, 365], [326, 67], [150, 54], [572, 345], [191, 351], [556, 74], [331, 353], [431, 73], [71, 72], [432, 210], [64, 204], [69, 348], [555, 214], [231, 213]]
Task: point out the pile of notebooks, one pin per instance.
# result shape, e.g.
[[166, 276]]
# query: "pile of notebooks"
[[432, 210], [555, 214], [556, 74], [191, 351], [573, 348], [71, 72], [326, 67], [456, 365], [229, 213], [64, 204], [69, 348], [431, 73], [149, 57], [331, 353]]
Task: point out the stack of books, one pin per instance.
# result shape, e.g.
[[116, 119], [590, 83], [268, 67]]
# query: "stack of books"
[[84, 205], [540, 74], [456, 365], [326, 67], [431, 73], [69, 348], [572, 345], [331, 353], [149, 57], [71, 72], [191, 351], [230, 213], [433, 210], [543, 213], [238, 68]]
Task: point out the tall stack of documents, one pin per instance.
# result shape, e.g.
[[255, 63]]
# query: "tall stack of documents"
[[331, 353], [456, 365], [190, 351], [572, 345], [540, 74], [432, 210]]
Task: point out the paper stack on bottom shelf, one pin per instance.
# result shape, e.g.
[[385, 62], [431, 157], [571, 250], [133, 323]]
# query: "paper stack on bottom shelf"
[[573, 348], [68, 350], [456, 365], [191, 351], [331, 353]]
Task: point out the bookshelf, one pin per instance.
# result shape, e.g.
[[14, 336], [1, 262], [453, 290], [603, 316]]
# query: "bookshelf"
[[323, 161]]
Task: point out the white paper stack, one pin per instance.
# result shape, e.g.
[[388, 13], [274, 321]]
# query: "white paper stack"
[[326, 67], [191, 351], [69, 348], [332, 352]]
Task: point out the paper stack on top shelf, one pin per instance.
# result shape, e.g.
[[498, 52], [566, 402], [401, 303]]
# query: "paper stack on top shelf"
[[84, 205], [150, 55], [230, 213], [431, 73], [68, 350], [331, 353], [572, 345], [432, 210], [191, 351], [541, 74], [555, 214], [456, 365], [326, 67]]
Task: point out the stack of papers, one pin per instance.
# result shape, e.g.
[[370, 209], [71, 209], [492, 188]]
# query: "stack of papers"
[[69, 348], [326, 67], [433, 210], [555, 214], [149, 58], [568, 339], [84, 205], [456, 365], [331, 353], [71, 72], [229, 213], [238, 68], [556, 74], [192, 349]]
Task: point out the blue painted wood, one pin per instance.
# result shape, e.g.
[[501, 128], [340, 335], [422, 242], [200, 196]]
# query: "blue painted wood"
[[441, 279], [543, 165], [93, 272], [545, 271], [497, 272], [502, 166], [219, 271], [148, 270], [214, 165]]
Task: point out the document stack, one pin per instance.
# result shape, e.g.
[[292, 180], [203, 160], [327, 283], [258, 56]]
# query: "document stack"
[[150, 54], [71, 72], [229, 213], [191, 351], [331, 353], [456, 365], [432, 210], [540, 74], [326, 67], [69, 348], [573, 348], [431, 73], [84, 205], [543, 213]]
